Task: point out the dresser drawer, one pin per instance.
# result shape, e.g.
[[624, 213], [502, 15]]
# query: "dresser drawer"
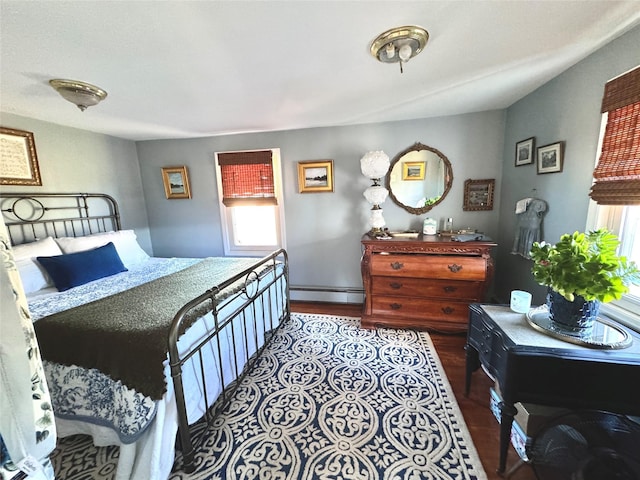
[[430, 266], [418, 287], [427, 309]]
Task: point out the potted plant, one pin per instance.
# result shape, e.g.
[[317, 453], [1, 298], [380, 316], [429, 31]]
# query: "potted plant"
[[582, 270]]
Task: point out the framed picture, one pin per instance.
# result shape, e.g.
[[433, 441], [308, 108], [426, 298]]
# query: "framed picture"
[[315, 176], [413, 170], [18, 159], [176, 182], [524, 151], [478, 194], [550, 158]]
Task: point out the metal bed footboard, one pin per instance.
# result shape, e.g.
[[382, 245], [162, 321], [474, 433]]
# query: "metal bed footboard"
[[260, 307]]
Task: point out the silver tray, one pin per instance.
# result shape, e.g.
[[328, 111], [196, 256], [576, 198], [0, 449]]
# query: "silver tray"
[[604, 334]]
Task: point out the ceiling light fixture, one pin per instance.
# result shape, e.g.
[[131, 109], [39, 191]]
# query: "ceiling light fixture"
[[399, 44], [79, 93]]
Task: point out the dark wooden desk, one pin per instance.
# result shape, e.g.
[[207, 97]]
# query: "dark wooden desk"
[[532, 367]]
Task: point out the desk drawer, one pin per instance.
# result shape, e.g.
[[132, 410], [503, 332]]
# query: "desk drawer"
[[417, 287], [490, 346], [431, 309], [430, 266]]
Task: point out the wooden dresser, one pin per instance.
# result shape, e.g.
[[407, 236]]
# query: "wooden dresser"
[[425, 283]]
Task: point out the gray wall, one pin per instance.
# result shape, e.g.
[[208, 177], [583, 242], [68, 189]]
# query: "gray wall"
[[323, 230], [567, 108], [73, 160]]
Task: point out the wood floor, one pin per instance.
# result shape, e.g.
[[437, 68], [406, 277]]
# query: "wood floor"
[[475, 408]]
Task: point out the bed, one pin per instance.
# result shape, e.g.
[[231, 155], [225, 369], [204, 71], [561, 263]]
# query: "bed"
[[158, 344]]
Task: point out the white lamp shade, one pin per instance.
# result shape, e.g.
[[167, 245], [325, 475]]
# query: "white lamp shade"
[[376, 195], [374, 164], [376, 220]]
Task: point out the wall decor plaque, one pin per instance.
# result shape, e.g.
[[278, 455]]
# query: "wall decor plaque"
[[18, 158]]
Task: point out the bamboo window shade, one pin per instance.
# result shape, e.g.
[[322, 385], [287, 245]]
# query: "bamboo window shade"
[[617, 175], [247, 178]]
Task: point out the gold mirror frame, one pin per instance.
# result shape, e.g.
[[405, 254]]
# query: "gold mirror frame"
[[448, 178]]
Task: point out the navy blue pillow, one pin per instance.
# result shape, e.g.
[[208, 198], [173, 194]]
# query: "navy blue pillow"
[[75, 269]]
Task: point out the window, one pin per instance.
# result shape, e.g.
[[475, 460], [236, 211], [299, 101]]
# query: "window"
[[250, 200], [617, 182], [625, 222]]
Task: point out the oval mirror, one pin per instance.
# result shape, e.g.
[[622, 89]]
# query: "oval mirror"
[[419, 178]]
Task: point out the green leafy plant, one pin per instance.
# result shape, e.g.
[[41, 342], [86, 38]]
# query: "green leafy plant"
[[586, 265], [431, 201]]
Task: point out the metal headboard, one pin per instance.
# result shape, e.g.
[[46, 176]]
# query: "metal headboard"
[[33, 216]]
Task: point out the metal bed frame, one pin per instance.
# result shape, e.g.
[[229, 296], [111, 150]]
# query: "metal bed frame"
[[31, 216]]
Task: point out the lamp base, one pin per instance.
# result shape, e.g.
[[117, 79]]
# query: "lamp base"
[[378, 233]]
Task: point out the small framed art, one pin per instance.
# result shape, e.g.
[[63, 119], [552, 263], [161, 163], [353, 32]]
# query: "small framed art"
[[524, 151], [550, 158], [478, 194], [18, 159], [176, 182], [315, 176], [413, 170]]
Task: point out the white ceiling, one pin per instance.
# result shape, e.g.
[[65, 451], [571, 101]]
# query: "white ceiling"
[[179, 69]]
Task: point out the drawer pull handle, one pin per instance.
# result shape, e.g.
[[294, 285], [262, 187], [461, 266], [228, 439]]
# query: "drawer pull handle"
[[397, 265], [395, 306], [455, 268], [450, 289], [447, 310], [395, 285]]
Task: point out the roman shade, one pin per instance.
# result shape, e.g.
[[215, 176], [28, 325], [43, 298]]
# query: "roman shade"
[[247, 178], [617, 175]]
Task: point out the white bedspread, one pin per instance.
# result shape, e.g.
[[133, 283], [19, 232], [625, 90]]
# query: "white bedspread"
[[50, 301]]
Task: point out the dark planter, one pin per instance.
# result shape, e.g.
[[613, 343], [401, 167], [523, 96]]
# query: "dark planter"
[[577, 316]]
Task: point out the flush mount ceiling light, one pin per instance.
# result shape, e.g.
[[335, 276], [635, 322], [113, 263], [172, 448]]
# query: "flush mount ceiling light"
[[79, 93], [399, 44]]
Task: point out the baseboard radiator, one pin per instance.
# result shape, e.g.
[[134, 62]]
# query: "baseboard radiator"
[[326, 294]]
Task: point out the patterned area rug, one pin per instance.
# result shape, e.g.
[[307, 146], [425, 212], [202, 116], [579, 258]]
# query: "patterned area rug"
[[326, 400]]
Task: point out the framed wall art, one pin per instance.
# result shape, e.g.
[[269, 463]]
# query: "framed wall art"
[[315, 176], [525, 151], [478, 194], [413, 170], [550, 158], [18, 159], [176, 182]]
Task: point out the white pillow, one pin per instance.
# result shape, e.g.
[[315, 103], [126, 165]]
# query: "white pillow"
[[33, 276], [125, 242]]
